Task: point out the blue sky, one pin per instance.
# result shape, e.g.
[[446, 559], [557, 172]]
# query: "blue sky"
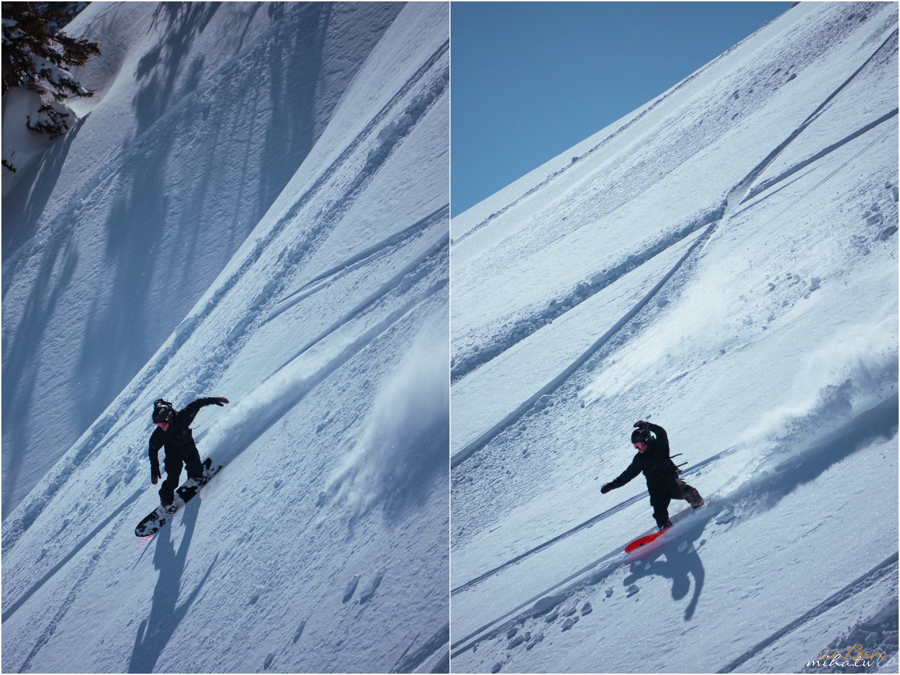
[[531, 79]]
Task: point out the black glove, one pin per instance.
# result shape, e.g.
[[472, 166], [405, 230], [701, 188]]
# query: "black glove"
[[221, 400], [606, 488], [641, 424], [154, 475]]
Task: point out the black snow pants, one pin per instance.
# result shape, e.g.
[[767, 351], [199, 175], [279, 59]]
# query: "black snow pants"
[[190, 458], [661, 495]]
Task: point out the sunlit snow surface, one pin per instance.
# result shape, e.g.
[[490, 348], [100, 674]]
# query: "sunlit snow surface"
[[723, 262], [254, 205]]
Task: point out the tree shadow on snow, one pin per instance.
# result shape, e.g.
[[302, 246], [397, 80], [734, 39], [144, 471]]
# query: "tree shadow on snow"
[[57, 264], [24, 205], [162, 65], [168, 231], [57, 261], [155, 631]]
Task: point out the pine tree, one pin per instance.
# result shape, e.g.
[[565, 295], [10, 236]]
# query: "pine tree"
[[36, 54]]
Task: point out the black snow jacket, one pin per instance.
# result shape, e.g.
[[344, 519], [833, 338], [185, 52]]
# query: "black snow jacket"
[[659, 470], [178, 438]]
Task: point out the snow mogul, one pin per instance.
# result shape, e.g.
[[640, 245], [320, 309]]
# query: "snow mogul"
[[174, 432], [653, 460]]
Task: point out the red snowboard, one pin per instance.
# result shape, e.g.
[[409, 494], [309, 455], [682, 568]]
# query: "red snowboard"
[[646, 539], [643, 541]]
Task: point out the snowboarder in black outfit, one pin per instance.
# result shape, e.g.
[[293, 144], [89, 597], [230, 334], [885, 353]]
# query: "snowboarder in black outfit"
[[660, 471], [174, 432]]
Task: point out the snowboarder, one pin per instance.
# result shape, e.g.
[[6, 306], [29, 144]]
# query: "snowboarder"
[[660, 471], [174, 432]]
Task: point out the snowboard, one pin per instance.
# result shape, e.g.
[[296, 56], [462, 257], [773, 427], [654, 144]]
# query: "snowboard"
[[643, 541], [653, 536], [153, 522]]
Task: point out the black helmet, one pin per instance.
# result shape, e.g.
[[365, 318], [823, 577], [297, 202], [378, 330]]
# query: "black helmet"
[[641, 436], [162, 412]]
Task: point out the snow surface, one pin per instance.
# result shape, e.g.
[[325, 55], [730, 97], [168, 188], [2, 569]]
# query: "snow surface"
[[253, 205], [723, 262]]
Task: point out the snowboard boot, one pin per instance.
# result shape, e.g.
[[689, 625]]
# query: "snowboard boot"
[[168, 509], [196, 482], [665, 526]]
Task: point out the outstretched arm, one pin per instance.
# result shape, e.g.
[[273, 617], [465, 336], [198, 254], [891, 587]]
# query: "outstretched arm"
[[631, 472], [190, 411]]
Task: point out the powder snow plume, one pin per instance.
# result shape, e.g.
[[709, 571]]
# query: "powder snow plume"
[[405, 442], [851, 372]]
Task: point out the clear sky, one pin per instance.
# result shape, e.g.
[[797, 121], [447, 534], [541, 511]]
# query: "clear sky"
[[531, 79]]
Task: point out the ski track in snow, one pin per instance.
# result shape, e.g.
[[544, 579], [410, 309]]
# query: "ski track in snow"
[[318, 282], [266, 404], [742, 192], [404, 276], [766, 184], [407, 663], [882, 569], [64, 561], [560, 379], [85, 574], [526, 325], [878, 422]]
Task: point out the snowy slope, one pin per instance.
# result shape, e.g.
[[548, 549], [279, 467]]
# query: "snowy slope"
[[260, 214], [202, 113], [723, 262]]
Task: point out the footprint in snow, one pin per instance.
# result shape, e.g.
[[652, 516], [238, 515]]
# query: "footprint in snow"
[[369, 590], [351, 588]]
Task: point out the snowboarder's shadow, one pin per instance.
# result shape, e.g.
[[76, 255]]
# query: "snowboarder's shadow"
[[677, 560], [155, 632]]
